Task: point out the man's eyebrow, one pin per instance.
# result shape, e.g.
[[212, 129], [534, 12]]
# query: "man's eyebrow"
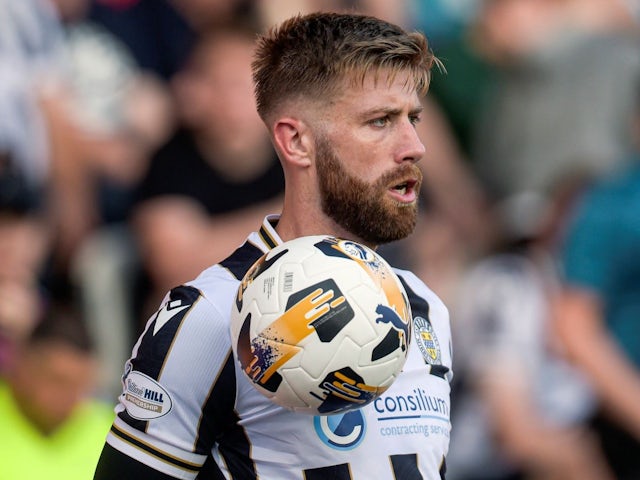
[[390, 111], [416, 110]]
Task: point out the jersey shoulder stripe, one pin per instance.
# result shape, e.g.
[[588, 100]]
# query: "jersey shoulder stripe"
[[154, 345], [240, 261]]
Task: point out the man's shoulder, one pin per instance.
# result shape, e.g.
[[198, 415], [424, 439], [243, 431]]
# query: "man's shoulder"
[[215, 281]]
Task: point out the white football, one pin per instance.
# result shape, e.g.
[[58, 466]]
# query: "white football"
[[321, 325]]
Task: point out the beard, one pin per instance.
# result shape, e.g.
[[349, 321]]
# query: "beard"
[[362, 208]]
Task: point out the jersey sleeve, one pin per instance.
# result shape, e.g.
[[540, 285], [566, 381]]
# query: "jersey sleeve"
[[171, 412], [115, 465]]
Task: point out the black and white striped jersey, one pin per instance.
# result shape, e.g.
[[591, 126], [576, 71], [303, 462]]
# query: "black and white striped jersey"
[[188, 411]]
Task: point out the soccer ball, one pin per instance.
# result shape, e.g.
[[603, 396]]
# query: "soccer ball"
[[321, 325]]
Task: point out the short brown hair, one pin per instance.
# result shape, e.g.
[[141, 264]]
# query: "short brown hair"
[[310, 55]]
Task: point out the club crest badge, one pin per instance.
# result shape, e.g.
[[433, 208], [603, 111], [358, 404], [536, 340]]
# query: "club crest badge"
[[427, 341]]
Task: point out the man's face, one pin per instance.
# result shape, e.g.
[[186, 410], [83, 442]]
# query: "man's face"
[[215, 91], [22, 248], [50, 381], [367, 176]]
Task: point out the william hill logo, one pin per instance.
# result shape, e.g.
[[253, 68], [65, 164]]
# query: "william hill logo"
[[144, 398], [153, 395]]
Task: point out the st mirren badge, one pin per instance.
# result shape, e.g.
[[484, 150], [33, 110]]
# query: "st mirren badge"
[[427, 341]]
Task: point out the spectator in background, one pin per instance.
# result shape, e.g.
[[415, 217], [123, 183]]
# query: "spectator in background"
[[23, 246], [78, 118], [521, 410], [565, 71], [217, 176], [114, 114], [598, 310], [50, 428], [31, 72]]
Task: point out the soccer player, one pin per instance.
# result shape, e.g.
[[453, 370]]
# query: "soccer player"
[[340, 95]]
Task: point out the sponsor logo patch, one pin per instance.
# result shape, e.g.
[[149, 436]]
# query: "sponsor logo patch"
[[144, 398], [344, 431]]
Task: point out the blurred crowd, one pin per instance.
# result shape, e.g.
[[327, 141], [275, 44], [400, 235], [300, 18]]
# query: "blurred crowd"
[[132, 157]]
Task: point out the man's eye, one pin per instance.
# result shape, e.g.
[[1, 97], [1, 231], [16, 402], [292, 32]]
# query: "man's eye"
[[415, 119], [379, 122]]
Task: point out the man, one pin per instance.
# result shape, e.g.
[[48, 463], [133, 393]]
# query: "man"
[[207, 186], [598, 312], [527, 418], [50, 426], [340, 95], [24, 243]]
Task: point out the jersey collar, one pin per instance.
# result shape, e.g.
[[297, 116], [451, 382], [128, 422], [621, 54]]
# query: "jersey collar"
[[267, 233]]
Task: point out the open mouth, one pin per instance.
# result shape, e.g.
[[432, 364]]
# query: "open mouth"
[[405, 191], [402, 188]]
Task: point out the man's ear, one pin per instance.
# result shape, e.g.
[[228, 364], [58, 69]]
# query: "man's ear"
[[292, 138]]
